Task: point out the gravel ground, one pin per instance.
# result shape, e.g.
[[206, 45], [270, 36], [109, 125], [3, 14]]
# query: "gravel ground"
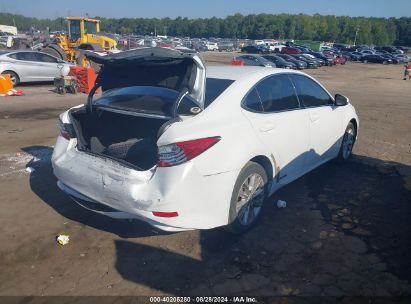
[[345, 230]]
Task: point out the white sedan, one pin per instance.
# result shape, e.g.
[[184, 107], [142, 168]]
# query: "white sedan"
[[183, 147], [32, 66]]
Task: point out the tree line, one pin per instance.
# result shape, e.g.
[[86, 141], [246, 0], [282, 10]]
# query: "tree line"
[[343, 29]]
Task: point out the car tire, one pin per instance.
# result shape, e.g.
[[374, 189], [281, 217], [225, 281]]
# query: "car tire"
[[347, 143], [15, 80], [384, 62], [249, 194], [365, 61]]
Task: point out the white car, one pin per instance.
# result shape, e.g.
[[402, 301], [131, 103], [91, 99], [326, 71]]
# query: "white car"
[[212, 46], [274, 47], [184, 147], [32, 66]]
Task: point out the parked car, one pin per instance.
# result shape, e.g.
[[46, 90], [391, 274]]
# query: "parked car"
[[402, 58], [300, 64], [255, 60], [212, 46], [328, 60], [375, 59], [255, 49], [367, 52], [340, 59], [174, 155], [320, 61], [274, 47], [31, 66], [390, 57], [389, 49], [226, 46], [355, 55], [280, 62], [311, 64], [290, 50]]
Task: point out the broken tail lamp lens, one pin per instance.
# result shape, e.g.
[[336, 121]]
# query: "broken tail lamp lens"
[[63, 132], [181, 152]]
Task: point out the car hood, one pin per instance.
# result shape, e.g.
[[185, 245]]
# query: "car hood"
[[159, 67]]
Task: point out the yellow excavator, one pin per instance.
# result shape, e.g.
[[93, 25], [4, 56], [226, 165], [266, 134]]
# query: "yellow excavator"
[[83, 35]]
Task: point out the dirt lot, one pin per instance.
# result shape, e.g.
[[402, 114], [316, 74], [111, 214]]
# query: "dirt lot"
[[346, 229]]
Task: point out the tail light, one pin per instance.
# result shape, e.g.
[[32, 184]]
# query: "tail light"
[[181, 152], [63, 130], [165, 214]]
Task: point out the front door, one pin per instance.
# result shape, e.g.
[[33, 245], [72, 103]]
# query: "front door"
[[283, 127], [324, 117]]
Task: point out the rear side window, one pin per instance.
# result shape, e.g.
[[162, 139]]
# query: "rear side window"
[[277, 94], [252, 101], [214, 88], [13, 56], [310, 93]]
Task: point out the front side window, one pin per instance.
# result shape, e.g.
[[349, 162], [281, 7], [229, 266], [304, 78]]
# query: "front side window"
[[46, 58], [277, 94], [273, 94], [310, 93]]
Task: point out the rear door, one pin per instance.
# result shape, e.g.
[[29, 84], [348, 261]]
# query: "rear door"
[[283, 127], [325, 120]]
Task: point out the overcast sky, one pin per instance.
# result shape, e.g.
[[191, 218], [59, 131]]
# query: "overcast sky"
[[204, 8]]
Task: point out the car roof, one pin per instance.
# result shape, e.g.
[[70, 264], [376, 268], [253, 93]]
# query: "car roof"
[[239, 72]]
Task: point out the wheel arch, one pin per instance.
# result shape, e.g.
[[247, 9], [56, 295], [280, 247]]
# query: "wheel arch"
[[9, 70], [265, 162]]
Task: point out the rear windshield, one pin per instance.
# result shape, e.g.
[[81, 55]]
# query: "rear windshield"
[[214, 88], [147, 100]]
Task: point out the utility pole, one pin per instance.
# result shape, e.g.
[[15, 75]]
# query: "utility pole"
[[356, 33]]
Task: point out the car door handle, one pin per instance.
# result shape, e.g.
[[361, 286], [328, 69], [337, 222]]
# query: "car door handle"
[[267, 127], [60, 66]]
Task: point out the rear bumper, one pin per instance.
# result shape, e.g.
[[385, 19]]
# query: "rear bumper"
[[100, 208], [202, 201]]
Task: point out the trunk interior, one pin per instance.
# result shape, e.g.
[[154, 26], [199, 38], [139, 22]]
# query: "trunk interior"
[[124, 137]]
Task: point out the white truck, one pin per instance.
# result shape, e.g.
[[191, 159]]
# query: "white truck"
[[8, 29]]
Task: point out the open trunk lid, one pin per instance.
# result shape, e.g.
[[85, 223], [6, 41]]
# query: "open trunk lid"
[[156, 67]]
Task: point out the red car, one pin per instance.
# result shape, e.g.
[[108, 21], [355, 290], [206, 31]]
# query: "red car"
[[339, 60], [290, 50]]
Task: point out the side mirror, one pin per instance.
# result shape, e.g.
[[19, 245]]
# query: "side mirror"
[[341, 100]]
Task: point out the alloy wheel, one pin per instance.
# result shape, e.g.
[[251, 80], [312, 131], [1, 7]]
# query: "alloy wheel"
[[250, 198], [348, 143]]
